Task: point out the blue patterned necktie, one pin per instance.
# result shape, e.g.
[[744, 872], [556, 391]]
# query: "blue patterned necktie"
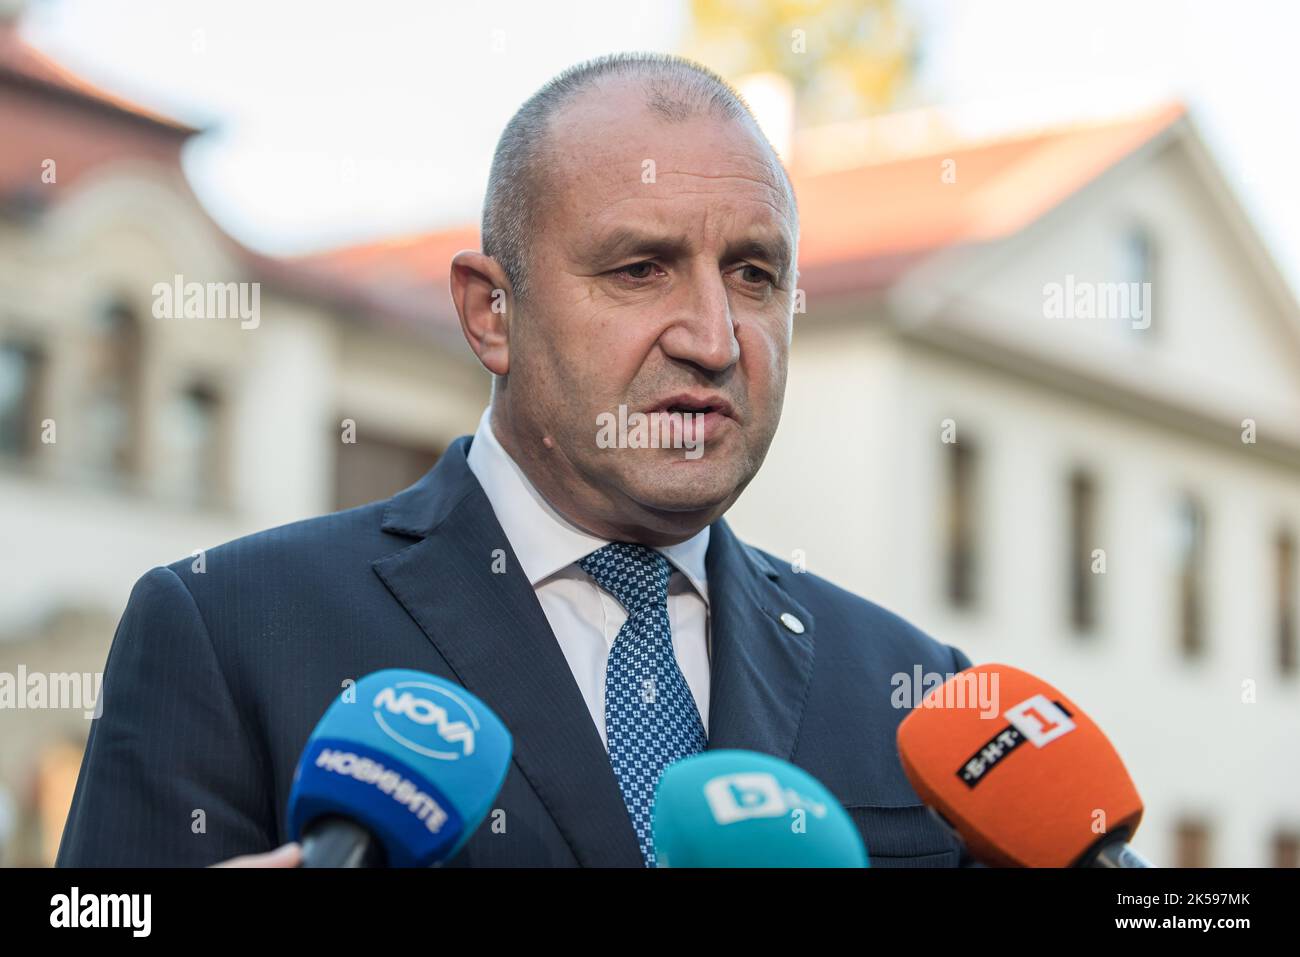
[[650, 716]]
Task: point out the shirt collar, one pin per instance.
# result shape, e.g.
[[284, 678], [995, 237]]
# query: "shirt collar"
[[544, 541]]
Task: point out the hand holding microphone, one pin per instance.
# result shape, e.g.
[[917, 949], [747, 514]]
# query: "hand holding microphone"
[[285, 856]]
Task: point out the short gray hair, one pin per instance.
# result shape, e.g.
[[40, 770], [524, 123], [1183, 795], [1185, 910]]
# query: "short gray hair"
[[676, 89]]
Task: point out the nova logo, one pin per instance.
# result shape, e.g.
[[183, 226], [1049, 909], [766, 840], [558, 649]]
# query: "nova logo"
[[739, 797], [426, 720]]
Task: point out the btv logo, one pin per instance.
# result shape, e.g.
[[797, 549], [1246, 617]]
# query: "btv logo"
[[427, 724], [739, 797]]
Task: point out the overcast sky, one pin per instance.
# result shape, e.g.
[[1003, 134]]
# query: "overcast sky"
[[334, 121]]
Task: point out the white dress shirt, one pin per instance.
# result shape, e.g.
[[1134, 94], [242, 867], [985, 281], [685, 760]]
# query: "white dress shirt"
[[584, 617]]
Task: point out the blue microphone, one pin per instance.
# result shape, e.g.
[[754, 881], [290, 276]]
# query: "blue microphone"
[[745, 809], [400, 771]]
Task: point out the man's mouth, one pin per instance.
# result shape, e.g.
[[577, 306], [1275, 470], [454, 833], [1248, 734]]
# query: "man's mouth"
[[695, 405], [701, 417]]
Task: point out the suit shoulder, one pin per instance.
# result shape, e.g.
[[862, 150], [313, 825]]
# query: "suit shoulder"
[[840, 612], [337, 535]]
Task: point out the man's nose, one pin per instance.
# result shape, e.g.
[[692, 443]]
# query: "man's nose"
[[702, 331]]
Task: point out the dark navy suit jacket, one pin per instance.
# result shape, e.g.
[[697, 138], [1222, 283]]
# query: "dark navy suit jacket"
[[216, 679]]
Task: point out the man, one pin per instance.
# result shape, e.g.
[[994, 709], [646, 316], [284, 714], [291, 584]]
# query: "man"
[[639, 243]]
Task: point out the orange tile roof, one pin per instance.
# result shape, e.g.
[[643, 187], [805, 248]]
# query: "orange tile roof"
[[21, 61], [1000, 187]]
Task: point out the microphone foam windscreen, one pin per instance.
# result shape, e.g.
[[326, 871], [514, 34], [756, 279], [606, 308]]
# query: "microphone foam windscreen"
[[1016, 767], [415, 759], [745, 809]]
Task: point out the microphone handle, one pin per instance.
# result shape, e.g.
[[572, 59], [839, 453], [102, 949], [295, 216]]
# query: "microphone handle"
[[1118, 854], [339, 842]]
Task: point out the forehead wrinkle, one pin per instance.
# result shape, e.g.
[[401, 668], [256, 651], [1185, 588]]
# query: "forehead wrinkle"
[[781, 211], [618, 227], [720, 177], [786, 217], [783, 205]]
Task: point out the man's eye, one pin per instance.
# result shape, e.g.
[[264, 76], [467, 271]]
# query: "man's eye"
[[641, 270], [752, 274]]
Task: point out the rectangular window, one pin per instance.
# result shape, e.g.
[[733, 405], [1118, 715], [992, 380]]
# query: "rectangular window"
[[112, 401], [960, 524], [375, 467], [1190, 565], [192, 432], [1192, 844], [21, 371], [1083, 540], [1286, 849], [1285, 614], [1138, 266]]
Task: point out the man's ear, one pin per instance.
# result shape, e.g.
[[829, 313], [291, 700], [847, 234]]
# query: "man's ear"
[[482, 295]]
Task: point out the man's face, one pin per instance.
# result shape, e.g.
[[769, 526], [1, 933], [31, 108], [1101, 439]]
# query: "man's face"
[[655, 287]]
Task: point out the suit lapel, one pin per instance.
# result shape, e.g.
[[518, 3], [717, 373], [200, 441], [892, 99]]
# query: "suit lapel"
[[760, 669], [492, 632]]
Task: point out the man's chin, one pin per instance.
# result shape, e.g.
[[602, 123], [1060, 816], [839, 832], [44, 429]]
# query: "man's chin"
[[685, 488]]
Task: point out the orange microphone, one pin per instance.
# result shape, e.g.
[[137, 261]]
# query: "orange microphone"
[[1020, 772]]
